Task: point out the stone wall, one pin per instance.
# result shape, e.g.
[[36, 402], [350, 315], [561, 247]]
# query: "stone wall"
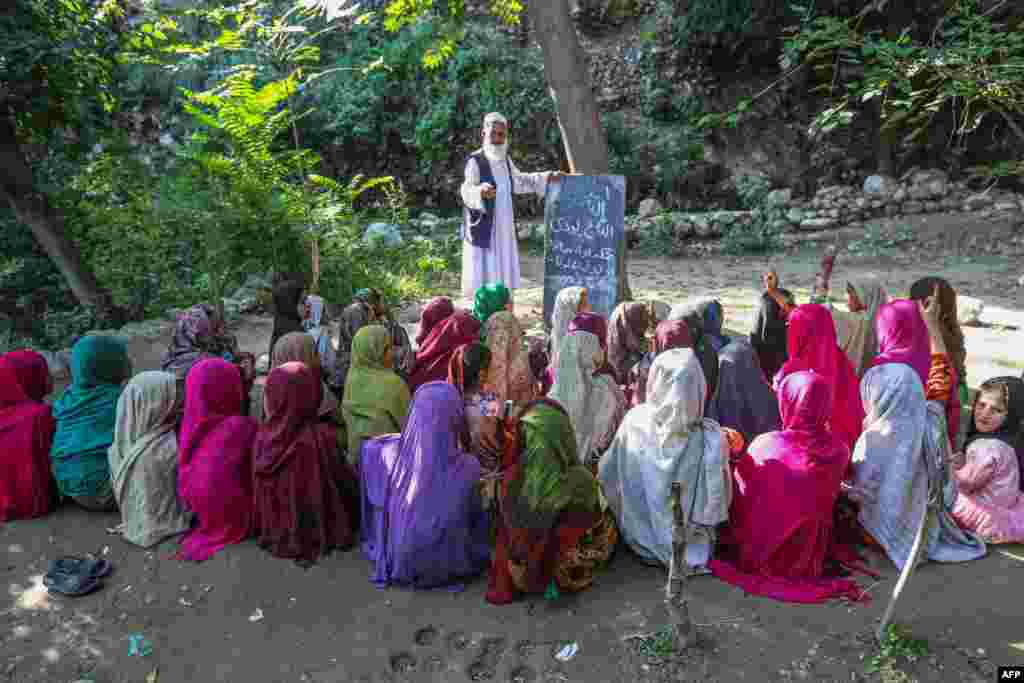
[[836, 206]]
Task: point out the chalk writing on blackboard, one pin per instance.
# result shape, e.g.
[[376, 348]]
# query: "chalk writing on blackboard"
[[584, 217]]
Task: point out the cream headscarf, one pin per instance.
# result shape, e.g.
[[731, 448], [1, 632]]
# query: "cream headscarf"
[[589, 400], [144, 460], [566, 304], [855, 332]]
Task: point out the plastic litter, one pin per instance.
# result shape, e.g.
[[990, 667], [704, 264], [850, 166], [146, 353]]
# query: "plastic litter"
[[567, 652], [138, 646]]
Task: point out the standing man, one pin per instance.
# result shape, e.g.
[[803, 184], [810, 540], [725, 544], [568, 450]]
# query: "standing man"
[[490, 252]]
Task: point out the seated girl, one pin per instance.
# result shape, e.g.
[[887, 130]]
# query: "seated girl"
[[627, 340], [436, 310], [435, 354], [597, 325], [215, 459], [569, 302], [669, 334], [509, 376], [144, 460], [701, 344], [744, 401], [376, 399], [423, 524], [901, 452], [712, 317], [289, 310], [553, 528], [402, 357], [86, 413], [299, 347], [779, 537], [811, 345], [990, 502], [664, 440], [948, 324], [316, 326], [594, 403], [301, 512], [26, 435], [469, 372], [855, 327], [491, 299]]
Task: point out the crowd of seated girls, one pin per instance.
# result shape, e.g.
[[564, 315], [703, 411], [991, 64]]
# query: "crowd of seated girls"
[[470, 452]]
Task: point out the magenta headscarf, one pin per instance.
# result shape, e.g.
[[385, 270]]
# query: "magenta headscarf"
[[811, 338], [903, 338], [780, 523], [215, 459]]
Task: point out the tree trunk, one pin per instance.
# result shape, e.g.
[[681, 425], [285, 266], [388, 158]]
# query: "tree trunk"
[[565, 66], [33, 210]]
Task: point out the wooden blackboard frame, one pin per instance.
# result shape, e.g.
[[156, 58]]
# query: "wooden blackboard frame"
[[584, 227]]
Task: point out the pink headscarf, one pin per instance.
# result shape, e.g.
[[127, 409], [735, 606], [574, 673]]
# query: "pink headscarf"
[[215, 459], [812, 345], [903, 337]]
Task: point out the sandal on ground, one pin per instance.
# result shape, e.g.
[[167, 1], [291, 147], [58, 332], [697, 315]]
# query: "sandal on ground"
[[70, 584], [83, 566]]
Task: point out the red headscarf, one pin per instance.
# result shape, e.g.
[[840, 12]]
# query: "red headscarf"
[[26, 433], [299, 512], [436, 310], [671, 334], [596, 325], [811, 339], [436, 351], [215, 458]]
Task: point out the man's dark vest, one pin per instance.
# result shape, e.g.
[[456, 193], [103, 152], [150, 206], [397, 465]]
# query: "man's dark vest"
[[478, 226]]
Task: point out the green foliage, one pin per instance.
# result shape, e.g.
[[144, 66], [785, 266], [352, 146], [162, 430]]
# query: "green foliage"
[[660, 151], [57, 59], [898, 643], [874, 241], [428, 111], [763, 233], [658, 645], [706, 18]]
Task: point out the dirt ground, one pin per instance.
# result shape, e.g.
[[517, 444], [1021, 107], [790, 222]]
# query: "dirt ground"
[[245, 616]]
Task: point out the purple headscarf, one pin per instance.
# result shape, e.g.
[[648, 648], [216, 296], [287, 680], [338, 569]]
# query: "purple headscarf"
[[744, 401], [423, 523]]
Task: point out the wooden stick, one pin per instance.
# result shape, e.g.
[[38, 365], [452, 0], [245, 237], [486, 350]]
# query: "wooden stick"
[[677, 598], [917, 550]]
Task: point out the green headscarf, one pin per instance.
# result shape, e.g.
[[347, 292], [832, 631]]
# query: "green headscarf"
[[489, 300], [376, 400], [552, 477], [86, 413]]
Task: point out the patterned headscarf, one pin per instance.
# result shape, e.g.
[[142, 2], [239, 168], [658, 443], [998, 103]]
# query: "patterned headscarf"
[[192, 341], [466, 365], [952, 335], [510, 376]]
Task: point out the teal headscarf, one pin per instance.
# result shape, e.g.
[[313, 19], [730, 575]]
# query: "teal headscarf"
[[86, 413], [489, 300]]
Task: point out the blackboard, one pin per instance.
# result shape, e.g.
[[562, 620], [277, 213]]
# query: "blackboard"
[[584, 217]]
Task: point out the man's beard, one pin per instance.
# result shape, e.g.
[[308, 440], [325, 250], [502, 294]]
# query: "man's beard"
[[496, 152]]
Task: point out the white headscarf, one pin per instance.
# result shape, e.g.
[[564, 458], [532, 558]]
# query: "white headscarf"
[[589, 400], [143, 460], [662, 441], [901, 447], [566, 304]]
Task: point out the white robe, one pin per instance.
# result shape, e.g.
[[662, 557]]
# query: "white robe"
[[499, 263]]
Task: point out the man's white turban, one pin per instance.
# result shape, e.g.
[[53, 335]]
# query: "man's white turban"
[[493, 118]]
